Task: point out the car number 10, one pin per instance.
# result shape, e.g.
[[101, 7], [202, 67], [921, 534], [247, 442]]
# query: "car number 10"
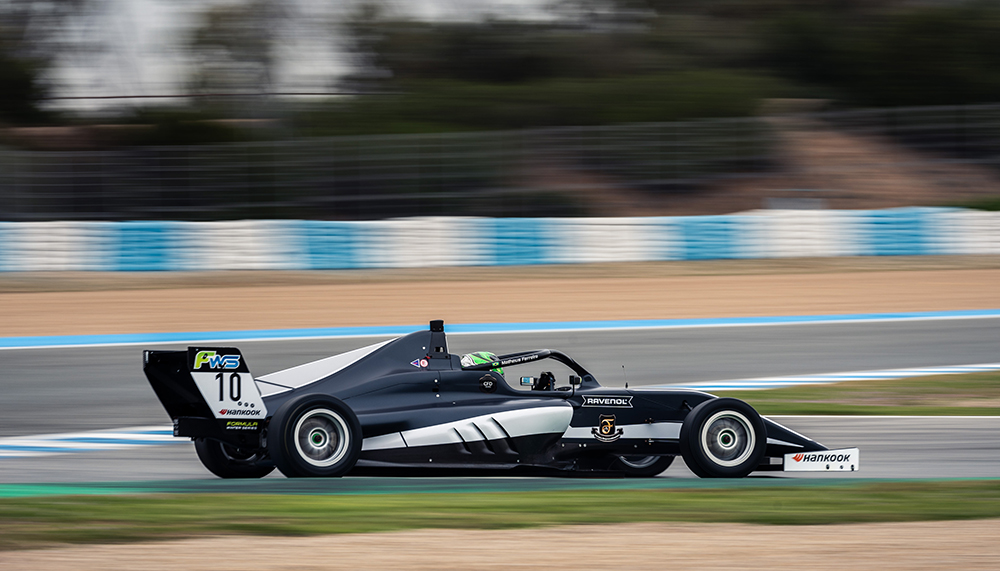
[[235, 388]]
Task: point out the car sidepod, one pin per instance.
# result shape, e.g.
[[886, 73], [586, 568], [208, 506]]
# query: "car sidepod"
[[609, 423]]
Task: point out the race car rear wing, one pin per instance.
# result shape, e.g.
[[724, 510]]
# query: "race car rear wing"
[[208, 393]]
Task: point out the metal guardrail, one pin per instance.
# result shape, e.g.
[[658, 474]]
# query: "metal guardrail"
[[460, 241], [502, 173], [969, 133]]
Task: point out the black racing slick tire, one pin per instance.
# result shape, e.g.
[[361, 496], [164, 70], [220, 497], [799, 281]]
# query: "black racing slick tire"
[[638, 466], [314, 436], [723, 438], [227, 461]]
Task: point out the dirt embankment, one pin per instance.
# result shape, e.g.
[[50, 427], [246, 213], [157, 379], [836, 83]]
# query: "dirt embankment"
[[815, 164]]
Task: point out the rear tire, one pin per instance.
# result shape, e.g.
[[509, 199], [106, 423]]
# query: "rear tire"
[[723, 438], [314, 436], [638, 466], [227, 461]]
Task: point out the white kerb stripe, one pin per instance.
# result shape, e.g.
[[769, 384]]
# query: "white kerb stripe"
[[57, 246], [583, 240]]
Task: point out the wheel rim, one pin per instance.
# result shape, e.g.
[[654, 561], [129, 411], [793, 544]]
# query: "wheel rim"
[[728, 438], [638, 462], [321, 437]]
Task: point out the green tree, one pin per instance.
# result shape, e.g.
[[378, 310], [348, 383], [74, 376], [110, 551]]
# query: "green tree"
[[917, 56], [21, 92], [234, 46], [32, 37]]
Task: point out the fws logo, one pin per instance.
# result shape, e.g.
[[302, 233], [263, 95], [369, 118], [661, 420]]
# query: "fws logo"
[[216, 361]]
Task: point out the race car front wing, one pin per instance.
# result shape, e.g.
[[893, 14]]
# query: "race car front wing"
[[843, 460]]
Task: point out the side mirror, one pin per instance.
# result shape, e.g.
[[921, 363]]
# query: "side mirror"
[[527, 381], [574, 380]]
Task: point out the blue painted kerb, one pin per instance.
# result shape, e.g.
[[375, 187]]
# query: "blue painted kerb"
[[464, 328]]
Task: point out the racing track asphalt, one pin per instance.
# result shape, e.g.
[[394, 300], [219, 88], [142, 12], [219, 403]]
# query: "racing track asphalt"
[[69, 389], [91, 388], [891, 447]]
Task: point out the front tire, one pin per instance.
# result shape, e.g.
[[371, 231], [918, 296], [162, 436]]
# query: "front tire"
[[314, 436], [723, 438], [227, 461], [638, 466]]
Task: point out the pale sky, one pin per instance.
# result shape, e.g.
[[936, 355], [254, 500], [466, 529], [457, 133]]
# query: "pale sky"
[[146, 55]]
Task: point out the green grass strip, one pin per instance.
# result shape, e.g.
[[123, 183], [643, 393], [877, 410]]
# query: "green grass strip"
[[387, 485], [41, 521], [972, 394]]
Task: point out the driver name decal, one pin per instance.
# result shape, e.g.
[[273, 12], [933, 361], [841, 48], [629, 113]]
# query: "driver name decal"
[[608, 401]]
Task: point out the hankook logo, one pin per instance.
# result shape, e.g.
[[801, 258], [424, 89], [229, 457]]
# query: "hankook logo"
[[611, 401], [240, 412], [821, 457]]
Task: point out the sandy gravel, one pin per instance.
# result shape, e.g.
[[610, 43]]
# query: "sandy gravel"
[[74, 304], [884, 546]]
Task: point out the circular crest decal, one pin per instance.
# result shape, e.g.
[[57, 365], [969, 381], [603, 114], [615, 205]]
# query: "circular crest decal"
[[488, 384]]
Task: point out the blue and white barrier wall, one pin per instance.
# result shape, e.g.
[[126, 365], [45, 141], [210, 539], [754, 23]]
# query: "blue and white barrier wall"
[[454, 241]]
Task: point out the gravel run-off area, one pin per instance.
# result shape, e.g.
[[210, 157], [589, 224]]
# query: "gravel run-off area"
[[637, 546]]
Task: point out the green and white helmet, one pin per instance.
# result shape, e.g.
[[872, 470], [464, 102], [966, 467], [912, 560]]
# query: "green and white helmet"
[[480, 357]]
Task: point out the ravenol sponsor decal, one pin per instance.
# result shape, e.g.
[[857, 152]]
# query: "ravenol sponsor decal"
[[609, 401], [216, 361]]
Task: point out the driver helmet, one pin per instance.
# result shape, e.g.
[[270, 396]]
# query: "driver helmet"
[[480, 357]]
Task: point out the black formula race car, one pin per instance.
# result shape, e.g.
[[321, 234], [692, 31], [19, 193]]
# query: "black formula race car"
[[409, 406]]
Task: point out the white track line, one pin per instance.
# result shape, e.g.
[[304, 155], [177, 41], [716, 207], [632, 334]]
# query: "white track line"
[[72, 442], [827, 378]]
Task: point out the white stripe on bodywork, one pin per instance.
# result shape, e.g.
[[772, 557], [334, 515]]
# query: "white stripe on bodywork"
[[512, 423], [656, 431], [782, 442], [392, 440], [308, 373]]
